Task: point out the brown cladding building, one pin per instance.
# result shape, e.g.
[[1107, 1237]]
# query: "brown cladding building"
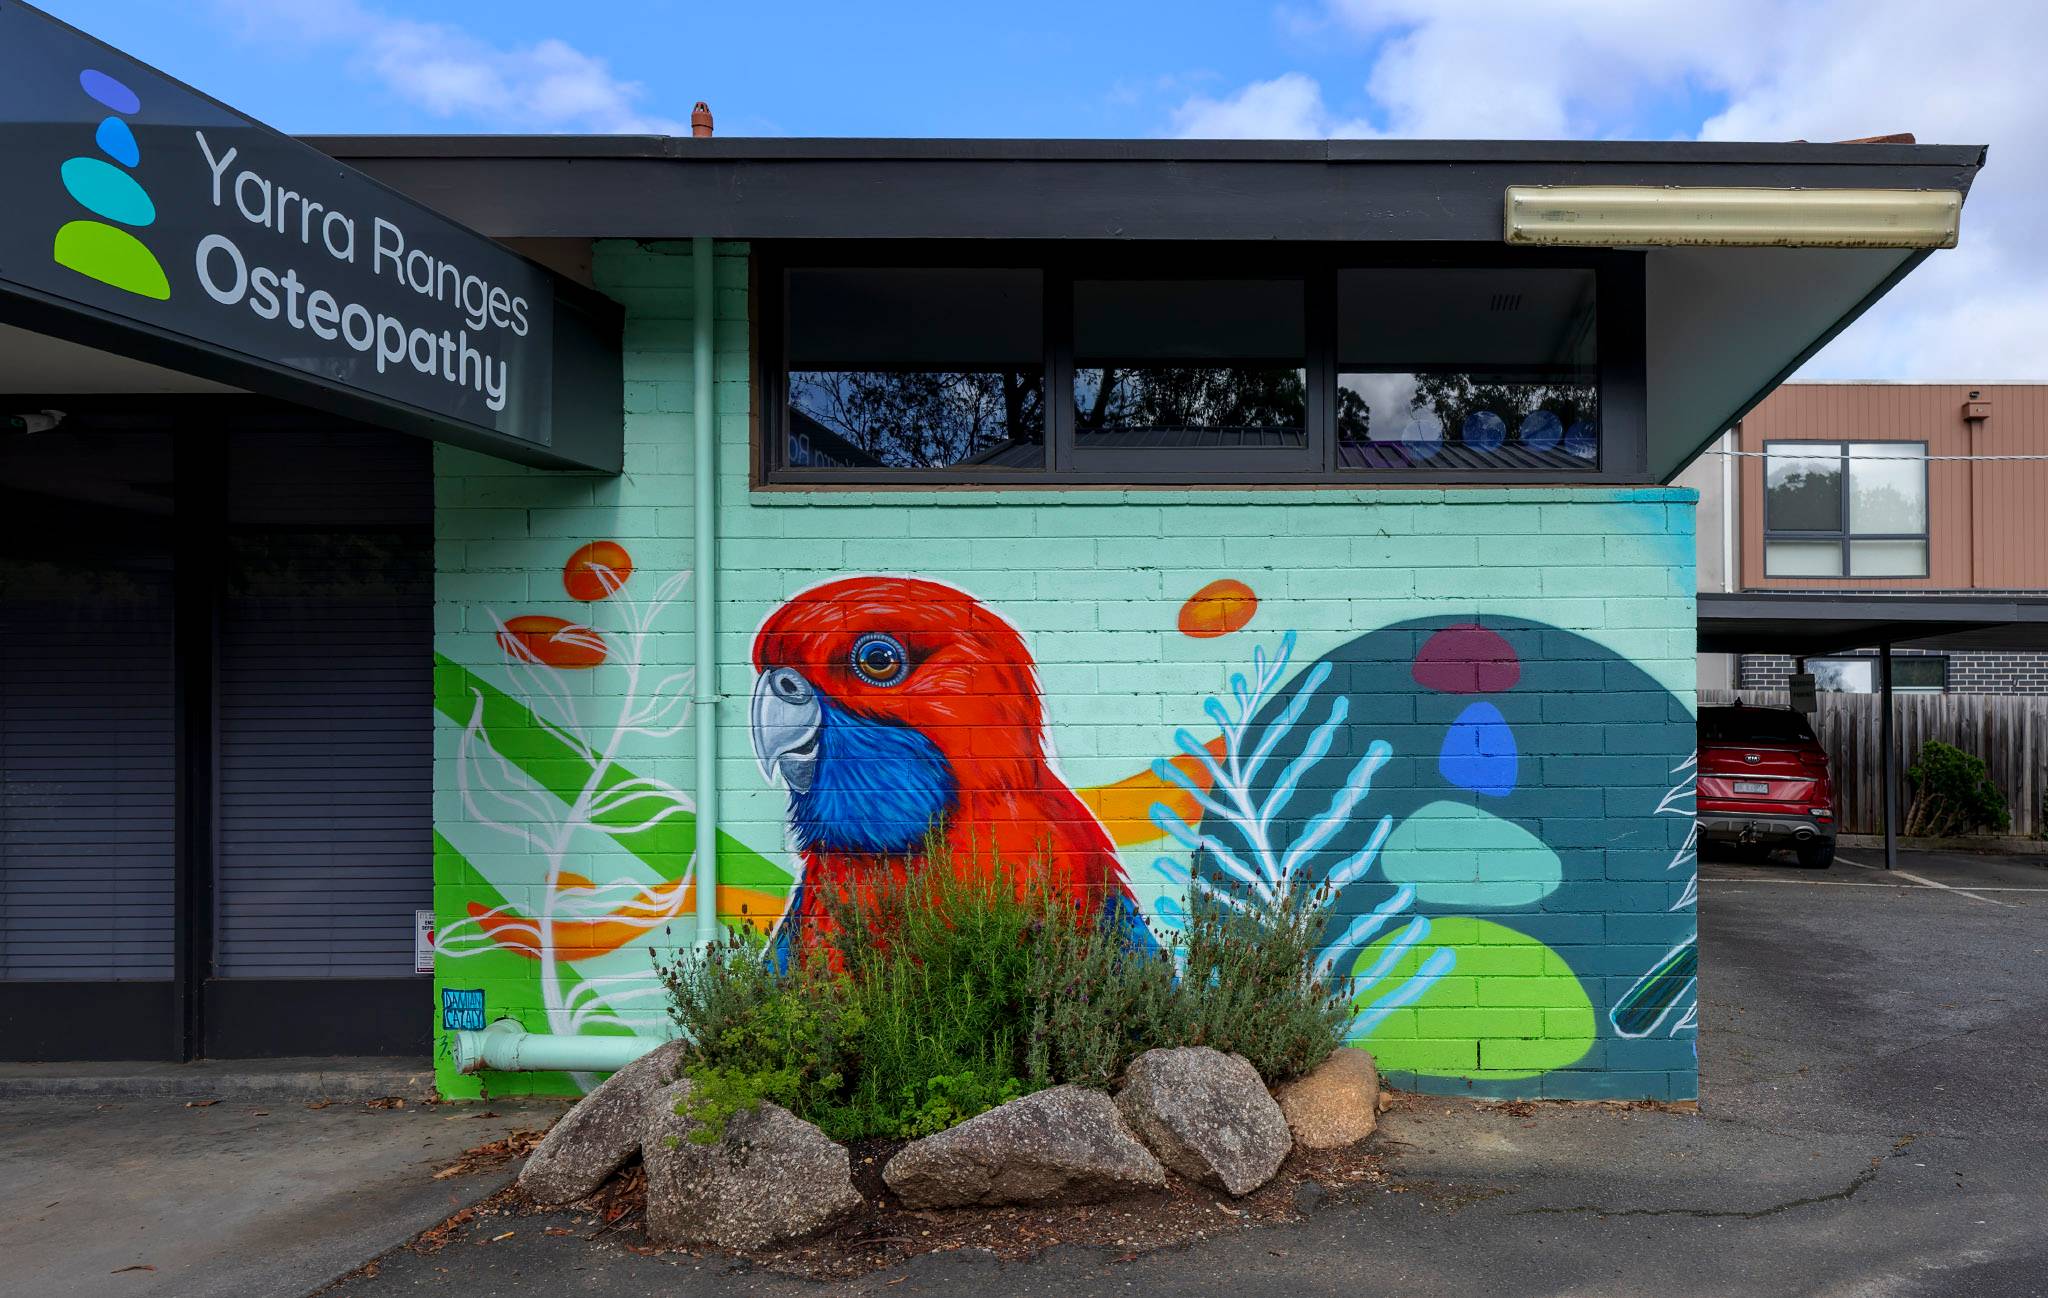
[[1985, 527], [1861, 486]]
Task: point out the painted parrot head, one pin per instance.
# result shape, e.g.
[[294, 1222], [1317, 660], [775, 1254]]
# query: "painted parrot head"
[[880, 701]]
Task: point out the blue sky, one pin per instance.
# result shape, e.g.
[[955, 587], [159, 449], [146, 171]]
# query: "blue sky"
[[1656, 69], [1048, 69]]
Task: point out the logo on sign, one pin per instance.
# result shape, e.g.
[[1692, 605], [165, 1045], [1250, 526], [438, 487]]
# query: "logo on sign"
[[97, 249]]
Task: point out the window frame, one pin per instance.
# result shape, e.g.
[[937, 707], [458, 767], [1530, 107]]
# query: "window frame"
[[1846, 535], [1877, 665], [1623, 452]]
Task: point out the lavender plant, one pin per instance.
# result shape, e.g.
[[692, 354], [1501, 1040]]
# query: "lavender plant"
[[1277, 883]]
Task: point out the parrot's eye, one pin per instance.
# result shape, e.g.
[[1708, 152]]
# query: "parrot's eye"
[[879, 659]]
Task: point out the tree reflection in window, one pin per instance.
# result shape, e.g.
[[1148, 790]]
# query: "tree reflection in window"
[[1467, 367], [1192, 405], [1395, 420], [915, 419]]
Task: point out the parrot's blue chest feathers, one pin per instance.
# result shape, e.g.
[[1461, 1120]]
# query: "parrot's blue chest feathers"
[[877, 790]]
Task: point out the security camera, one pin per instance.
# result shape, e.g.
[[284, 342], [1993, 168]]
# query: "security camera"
[[34, 421]]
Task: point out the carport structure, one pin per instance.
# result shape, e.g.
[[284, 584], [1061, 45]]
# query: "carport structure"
[[1808, 624]]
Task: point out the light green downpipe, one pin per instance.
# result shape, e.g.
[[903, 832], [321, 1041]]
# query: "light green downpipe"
[[506, 1046], [704, 399]]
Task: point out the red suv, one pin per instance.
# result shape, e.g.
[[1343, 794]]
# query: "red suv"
[[1763, 783]]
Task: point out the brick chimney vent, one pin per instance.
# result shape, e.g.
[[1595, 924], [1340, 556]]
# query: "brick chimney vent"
[[700, 121]]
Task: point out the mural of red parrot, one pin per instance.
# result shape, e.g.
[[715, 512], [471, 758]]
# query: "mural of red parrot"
[[887, 706]]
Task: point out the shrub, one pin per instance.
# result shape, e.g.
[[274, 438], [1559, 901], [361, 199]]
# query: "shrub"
[[1249, 983], [930, 997], [1953, 793], [758, 1033], [936, 966], [1096, 1002]]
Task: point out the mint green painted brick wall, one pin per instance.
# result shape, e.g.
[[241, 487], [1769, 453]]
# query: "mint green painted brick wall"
[[1094, 579]]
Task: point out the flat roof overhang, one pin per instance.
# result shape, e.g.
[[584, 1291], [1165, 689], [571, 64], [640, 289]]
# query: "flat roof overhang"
[[1819, 622], [1723, 325]]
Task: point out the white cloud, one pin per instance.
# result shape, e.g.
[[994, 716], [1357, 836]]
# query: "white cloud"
[[1289, 107], [1968, 72], [548, 85]]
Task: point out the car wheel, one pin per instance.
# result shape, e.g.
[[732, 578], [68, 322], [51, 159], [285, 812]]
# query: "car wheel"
[[1817, 856]]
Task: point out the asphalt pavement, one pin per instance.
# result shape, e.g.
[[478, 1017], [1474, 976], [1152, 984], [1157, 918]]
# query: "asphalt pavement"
[[1874, 1121]]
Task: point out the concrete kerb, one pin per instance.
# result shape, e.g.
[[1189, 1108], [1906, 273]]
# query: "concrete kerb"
[[240, 1079]]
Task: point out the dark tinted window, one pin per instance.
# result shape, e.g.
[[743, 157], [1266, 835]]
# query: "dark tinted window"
[[1803, 487], [1752, 725], [1461, 368], [1910, 674], [915, 368], [1191, 364]]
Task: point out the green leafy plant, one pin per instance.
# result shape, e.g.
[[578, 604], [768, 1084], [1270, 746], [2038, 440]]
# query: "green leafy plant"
[[1095, 1002], [933, 994], [757, 1033], [1953, 794], [1249, 983]]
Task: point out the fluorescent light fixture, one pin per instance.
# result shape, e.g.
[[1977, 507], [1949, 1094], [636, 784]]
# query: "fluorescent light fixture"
[[1664, 216]]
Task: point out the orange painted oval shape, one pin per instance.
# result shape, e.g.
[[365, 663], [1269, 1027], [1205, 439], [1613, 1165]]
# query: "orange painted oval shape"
[[1218, 608], [552, 641], [597, 570]]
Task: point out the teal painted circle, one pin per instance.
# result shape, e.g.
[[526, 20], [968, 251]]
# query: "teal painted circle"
[[108, 91], [118, 142], [107, 191]]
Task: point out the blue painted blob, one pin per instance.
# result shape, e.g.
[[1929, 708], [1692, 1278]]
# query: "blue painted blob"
[[118, 142], [1541, 431], [1483, 430], [107, 191], [1479, 752], [875, 790], [108, 91], [1582, 440]]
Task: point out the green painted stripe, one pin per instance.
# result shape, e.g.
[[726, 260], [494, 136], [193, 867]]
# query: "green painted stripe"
[[518, 737]]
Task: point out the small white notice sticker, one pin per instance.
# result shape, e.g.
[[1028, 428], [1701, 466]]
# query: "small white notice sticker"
[[423, 941]]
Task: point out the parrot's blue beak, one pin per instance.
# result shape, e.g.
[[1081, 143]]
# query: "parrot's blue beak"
[[785, 717]]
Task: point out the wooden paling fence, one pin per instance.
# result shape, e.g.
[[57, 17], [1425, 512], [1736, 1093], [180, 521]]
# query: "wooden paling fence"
[[2009, 731]]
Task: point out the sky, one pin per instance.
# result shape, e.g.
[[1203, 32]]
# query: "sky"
[[1958, 72]]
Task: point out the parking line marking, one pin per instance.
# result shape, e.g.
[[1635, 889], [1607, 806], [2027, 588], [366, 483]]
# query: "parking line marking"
[[1903, 874], [1851, 883], [1810, 883]]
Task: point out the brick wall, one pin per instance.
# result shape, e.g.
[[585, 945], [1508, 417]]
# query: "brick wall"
[[1525, 657], [1970, 671]]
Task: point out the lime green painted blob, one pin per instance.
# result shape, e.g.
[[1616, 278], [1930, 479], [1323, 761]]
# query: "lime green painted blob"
[[113, 257], [552, 763], [1456, 854], [1511, 1007], [508, 981]]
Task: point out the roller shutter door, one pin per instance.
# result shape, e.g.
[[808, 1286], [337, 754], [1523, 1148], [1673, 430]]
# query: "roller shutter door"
[[87, 794], [325, 733]]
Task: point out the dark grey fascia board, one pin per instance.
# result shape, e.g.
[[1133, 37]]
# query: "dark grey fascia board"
[[1808, 622], [1311, 191]]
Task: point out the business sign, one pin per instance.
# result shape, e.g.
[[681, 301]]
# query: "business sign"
[[145, 203]]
